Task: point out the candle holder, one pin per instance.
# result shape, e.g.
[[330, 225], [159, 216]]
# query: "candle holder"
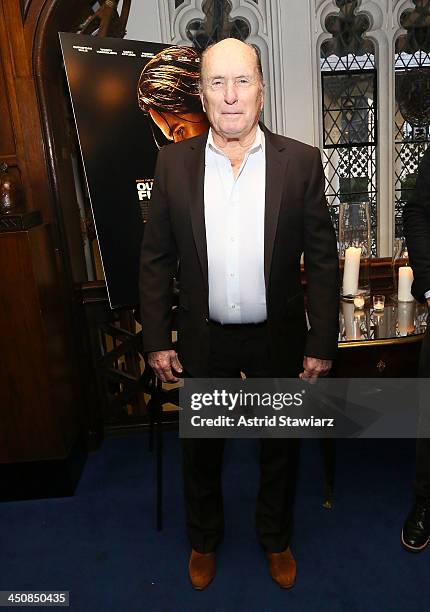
[[406, 318], [355, 248], [351, 329], [359, 315], [378, 303]]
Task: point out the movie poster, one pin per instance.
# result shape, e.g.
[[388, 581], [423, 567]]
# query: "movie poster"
[[129, 98]]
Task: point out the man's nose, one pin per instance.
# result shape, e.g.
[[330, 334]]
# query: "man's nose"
[[230, 92]]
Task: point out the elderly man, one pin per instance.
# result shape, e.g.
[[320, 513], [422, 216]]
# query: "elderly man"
[[232, 211], [416, 217]]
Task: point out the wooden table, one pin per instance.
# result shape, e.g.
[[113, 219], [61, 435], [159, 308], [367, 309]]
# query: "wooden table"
[[380, 344], [375, 345]]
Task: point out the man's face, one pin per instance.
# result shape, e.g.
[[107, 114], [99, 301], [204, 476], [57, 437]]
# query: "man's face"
[[232, 91]]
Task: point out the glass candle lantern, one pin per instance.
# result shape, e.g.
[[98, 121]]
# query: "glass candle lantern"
[[355, 248]]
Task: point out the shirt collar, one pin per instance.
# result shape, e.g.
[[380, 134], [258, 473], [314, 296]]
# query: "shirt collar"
[[257, 145]]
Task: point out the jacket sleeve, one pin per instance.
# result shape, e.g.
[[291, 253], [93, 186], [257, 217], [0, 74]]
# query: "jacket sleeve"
[[416, 221], [321, 268], [158, 266]]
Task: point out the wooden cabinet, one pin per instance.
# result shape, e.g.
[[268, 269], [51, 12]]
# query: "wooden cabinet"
[[40, 410], [393, 358]]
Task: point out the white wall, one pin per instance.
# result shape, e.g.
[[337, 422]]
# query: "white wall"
[[144, 21], [295, 50]]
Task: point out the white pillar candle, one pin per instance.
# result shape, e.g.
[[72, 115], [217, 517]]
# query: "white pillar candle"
[[352, 325], [406, 277], [405, 318], [351, 270]]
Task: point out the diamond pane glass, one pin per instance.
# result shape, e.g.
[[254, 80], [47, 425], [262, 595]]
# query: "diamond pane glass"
[[412, 111], [349, 108]]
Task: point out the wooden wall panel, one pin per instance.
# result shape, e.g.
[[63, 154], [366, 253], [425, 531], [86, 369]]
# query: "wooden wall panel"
[[41, 394], [64, 380], [8, 94], [7, 141], [29, 427], [20, 60]]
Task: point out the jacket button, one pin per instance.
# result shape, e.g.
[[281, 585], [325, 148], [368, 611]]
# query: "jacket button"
[[206, 320]]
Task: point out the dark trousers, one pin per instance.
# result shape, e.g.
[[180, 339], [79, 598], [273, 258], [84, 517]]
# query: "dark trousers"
[[422, 474], [235, 349]]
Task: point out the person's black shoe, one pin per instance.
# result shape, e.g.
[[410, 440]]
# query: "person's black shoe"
[[416, 530]]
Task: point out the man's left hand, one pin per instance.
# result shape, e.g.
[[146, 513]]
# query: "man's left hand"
[[313, 368]]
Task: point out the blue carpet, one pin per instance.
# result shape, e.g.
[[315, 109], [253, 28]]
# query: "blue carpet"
[[102, 546]]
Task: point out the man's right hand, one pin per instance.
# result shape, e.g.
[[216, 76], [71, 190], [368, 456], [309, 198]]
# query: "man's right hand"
[[162, 362]]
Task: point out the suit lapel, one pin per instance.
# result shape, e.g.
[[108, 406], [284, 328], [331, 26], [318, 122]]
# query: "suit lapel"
[[276, 167], [195, 168]]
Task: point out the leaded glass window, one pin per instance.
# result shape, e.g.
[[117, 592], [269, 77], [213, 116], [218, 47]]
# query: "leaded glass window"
[[412, 111], [349, 107]]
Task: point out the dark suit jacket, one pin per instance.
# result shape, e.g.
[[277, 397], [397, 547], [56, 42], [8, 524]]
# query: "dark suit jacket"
[[416, 220], [296, 220]]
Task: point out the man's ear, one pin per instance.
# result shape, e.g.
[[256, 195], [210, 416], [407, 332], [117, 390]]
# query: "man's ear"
[[202, 100]]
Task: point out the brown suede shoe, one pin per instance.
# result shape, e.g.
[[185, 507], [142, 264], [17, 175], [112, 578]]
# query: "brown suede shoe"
[[201, 569], [282, 568]]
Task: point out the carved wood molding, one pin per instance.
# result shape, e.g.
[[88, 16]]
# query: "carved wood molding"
[[106, 21]]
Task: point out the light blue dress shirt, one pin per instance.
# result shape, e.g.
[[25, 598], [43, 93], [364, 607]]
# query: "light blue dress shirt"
[[234, 218]]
